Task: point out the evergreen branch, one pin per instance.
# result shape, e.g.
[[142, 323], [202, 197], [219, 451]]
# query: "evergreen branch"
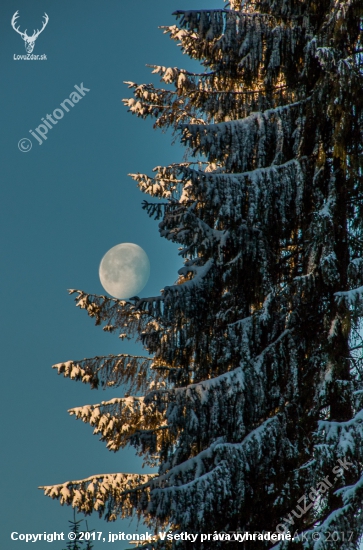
[[121, 420], [241, 13], [184, 71], [95, 492], [126, 315], [201, 91], [356, 347], [110, 370]]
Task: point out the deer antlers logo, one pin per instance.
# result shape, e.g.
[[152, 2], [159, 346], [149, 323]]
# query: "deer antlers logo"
[[29, 40]]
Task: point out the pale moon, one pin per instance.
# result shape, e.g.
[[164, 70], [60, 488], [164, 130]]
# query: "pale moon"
[[124, 270]]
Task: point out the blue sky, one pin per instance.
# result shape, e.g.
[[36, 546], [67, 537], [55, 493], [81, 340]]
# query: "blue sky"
[[63, 205]]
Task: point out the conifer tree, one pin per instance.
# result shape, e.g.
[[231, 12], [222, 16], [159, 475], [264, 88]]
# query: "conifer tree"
[[82, 539], [249, 399]]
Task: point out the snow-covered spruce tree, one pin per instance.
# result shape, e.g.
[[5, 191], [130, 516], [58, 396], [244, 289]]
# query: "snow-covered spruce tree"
[[251, 388]]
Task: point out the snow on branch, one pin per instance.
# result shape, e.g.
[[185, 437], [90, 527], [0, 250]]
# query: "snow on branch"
[[203, 485], [164, 185], [343, 436], [118, 314], [256, 141], [201, 102], [352, 300], [265, 195], [119, 419], [167, 107], [198, 408], [111, 370], [111, 495], [169, 292], [238, 41], [252, 447]]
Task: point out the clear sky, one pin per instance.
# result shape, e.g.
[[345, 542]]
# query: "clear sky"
[[63, 205]]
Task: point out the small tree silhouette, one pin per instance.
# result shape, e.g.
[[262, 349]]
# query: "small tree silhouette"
[[77, 543]]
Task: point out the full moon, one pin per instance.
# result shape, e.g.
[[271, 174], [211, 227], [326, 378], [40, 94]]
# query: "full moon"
[[124, 270]]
